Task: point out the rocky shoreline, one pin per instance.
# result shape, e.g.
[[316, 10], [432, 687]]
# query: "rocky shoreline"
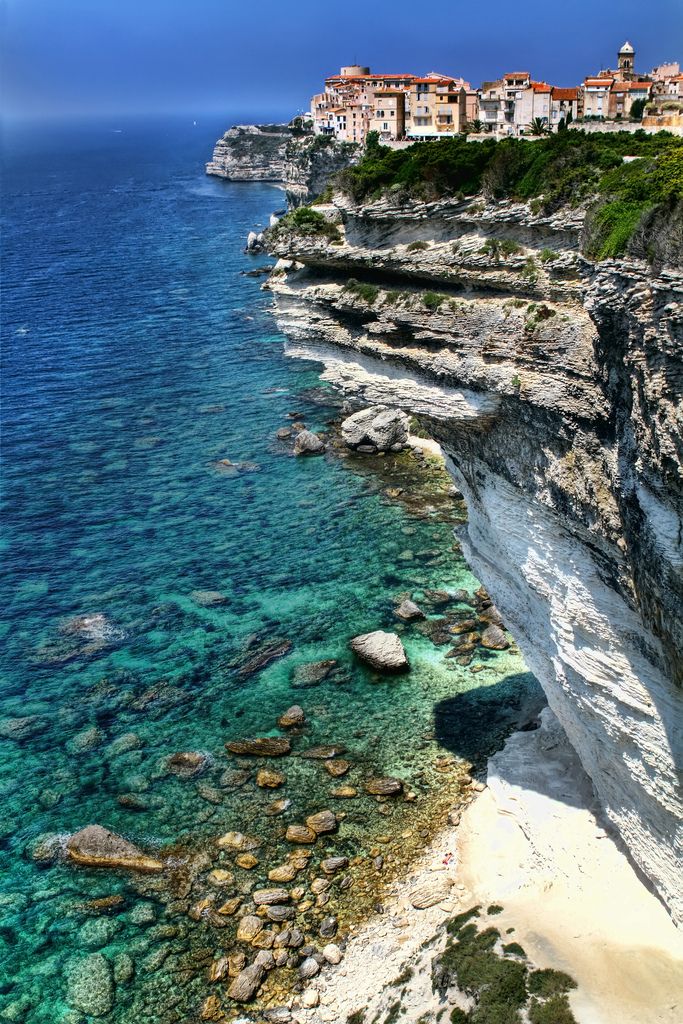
[[286, 888]]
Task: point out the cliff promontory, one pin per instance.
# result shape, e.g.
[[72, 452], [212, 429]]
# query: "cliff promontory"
[[544, 354], [301, 163]]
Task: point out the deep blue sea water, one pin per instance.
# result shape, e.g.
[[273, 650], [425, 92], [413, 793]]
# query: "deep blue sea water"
[[136, 357]]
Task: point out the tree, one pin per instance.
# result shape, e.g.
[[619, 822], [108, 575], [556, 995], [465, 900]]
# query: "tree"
[[476, 125], [372, 143], [539, 126], [561, 125], [637, 108]]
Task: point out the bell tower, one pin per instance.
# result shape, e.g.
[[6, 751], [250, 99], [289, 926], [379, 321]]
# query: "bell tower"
[[626, 61]]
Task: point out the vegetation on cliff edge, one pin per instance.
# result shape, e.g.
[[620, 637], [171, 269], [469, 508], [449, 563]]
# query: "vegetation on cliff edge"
[[563, 169]]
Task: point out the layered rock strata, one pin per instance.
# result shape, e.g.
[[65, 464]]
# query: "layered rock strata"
[[554, 386]]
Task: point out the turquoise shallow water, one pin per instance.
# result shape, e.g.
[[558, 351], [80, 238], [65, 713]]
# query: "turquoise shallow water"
[[136, 356]]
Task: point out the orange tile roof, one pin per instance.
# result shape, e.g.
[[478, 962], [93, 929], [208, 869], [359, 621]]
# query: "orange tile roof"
[[606, 82], [517, 74], [541, 87], [630, 86], [565, 94]]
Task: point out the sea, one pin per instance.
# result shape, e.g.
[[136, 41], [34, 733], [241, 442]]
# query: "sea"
[[171, 572]]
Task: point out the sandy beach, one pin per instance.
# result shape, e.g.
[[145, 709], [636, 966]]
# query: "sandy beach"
[[531, 842]]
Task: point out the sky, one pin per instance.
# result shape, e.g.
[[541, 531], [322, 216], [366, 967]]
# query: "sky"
[[267, 57]]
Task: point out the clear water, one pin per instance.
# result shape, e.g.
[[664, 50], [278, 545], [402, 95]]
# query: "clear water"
[[135, 356]]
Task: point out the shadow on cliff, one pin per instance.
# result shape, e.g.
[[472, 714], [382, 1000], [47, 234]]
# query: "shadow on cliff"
[[475, 723]]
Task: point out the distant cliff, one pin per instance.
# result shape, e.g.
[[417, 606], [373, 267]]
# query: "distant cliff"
[[273, 152]]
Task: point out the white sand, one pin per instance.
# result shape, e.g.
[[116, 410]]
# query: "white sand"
[[530, 842]]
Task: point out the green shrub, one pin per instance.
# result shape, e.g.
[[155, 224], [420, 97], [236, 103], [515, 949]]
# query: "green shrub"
[[324, 197], [555, 1011], [432, 300], [367, 292], [514, 948], [306, 221], [529, 271], [458, 1016], [549, 255], [508, 247], [417, 247], [357, 1017], [495, 908], [460, 920], [612, 227], [550, 983]]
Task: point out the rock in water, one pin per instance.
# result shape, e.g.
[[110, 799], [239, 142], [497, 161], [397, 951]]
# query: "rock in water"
[[323, 821], [246, 984], [376, 427], [261, 746], [312, 673], [95, 847], [383, 651], [384, 787], [308, 443], [90, 985], [494, 639], [408, 611], [292, 716]]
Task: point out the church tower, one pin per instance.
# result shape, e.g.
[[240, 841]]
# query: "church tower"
[[626, 62]]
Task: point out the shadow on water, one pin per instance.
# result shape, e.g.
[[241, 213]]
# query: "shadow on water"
[[475, 724]]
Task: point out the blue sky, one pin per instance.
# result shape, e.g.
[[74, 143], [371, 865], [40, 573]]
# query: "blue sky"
[[267, 56]]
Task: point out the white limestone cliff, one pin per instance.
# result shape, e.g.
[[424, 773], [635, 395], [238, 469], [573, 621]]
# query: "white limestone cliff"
[[554, 386]]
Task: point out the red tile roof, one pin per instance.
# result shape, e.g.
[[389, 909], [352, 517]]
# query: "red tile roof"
[[541, 87], [565, 94], [517, 74], [630, 86], [604, 82]]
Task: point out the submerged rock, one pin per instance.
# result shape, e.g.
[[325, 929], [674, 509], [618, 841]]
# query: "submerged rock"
[[322, 821], [323, 752], [312, 673], [386, 786], [266, 778], [96, 847], [336, 768], [300, 834], [408, 611], [186, 763], [383, 651], [90, 985]]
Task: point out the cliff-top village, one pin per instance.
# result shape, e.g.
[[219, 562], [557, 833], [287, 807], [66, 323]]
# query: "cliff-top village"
[[407, 107]]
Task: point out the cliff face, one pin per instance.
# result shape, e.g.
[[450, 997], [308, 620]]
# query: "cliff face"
[[250, 152], [301, 163], [554, 385]]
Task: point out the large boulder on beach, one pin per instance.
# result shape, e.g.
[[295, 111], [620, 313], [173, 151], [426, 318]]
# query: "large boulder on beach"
[[96, 847], [377, 427], [308, 443], [382, 651]]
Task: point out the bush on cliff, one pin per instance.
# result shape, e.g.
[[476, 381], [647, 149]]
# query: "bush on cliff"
[[305, 221]]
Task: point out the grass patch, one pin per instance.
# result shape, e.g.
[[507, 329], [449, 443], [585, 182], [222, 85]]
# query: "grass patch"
[[417, 247], [458, 1016], [530, 271], [494, 909], [549, 256]]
